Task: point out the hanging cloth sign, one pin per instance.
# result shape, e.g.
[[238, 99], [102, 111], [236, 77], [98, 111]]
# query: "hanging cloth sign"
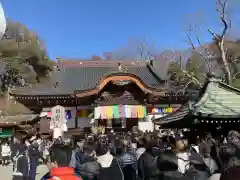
[[165, 110], [134, 111], [128, 112], [103, 111], [116, 113], [122, 109], [140, 112], [175, 109], [170, 110], [155, 110], [84, 113], [109, 112], [97, 113], [150, 109], [78, 113], [145, 111], [68, 114]]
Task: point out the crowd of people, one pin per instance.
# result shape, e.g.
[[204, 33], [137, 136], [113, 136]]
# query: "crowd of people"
[[130, 156]]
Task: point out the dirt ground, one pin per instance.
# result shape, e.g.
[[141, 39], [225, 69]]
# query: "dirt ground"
[[6, 172]]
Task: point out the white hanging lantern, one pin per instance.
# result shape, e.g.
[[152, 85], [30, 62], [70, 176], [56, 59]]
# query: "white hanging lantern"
[[124, 123], [109, 123], [3, 23], [92, 121], [65, 128]]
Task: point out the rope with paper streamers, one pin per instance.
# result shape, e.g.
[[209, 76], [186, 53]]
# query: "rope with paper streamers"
[[98, 130]]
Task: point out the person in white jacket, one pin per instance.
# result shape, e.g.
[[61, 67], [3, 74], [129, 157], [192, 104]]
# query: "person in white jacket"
[[6, 152]]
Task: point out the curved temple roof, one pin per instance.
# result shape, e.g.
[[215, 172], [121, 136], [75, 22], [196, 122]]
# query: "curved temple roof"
[[218, 101], [82, 76]]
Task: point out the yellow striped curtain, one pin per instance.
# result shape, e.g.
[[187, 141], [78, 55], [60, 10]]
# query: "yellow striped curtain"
[[84, 113], [109, 112], [140, 111], [170, 110]]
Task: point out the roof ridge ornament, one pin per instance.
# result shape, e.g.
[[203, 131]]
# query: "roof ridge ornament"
[[212, 77], [121, 68], [215, 80]]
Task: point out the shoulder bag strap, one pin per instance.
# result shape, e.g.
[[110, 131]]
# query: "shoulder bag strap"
[[155, 159], [15, 170], [120, 169], [188, 163], [16, 164]]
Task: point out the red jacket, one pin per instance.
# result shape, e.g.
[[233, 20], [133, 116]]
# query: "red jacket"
[[63, 173]]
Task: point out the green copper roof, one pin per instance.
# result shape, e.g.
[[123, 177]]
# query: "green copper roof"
[[219, 100]]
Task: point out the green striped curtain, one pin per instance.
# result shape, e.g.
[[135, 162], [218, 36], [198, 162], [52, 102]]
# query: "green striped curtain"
[[145, 111], [116, 111]]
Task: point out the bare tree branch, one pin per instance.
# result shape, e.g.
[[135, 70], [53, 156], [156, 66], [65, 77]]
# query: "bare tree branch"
[[222, 12], [186, 72], [221, 9], [191, 44], [206, 59], [141, 49], [144, 51], [214, 35]]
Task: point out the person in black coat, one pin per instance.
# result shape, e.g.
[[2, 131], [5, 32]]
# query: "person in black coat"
[[15, 146], [34, 154], [167, 167], [86, 165], [127, 160], [109, 164], [147, 163], [21, 165]]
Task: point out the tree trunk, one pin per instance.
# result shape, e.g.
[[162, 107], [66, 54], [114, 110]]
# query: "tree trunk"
[[225, 63]]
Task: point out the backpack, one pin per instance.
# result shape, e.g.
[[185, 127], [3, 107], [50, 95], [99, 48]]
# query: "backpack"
[[197, 171], [15, 167]]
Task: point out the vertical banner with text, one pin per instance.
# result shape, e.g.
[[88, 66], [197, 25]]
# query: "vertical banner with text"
[[57, 120]]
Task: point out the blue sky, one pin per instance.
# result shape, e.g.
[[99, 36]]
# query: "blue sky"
[[82, 28]]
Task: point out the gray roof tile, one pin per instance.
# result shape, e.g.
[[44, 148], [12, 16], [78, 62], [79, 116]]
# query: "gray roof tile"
[[72, 78]]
